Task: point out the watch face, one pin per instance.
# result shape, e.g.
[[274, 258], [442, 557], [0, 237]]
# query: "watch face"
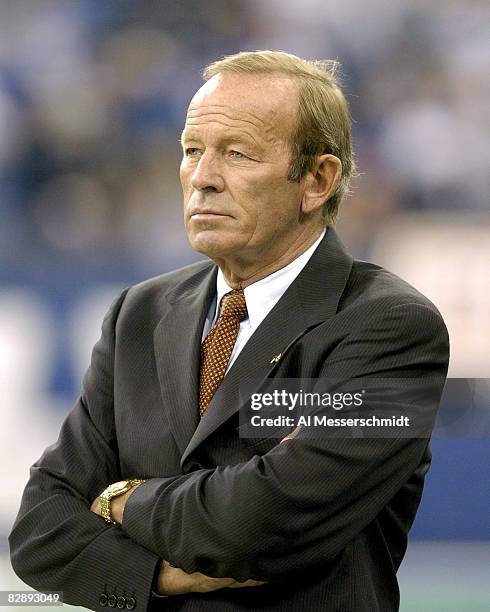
[[118, 487]]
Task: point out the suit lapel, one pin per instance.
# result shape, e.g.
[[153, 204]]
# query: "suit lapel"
[[311, 299], [177, 341]]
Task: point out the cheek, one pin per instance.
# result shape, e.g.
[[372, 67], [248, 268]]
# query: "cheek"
[[251, 193], [182, 172], [279, 202], [187, 194], [185, 177], [184, 184]]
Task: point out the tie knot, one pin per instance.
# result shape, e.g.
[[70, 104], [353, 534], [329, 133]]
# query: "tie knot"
[[233, 305]]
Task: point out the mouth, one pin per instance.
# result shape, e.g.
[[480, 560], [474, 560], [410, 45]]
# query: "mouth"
[[207, 214]]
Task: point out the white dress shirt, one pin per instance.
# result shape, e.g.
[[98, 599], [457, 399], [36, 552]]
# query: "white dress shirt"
[[261, 297]]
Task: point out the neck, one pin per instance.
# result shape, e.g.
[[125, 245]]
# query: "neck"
[[240, 273]]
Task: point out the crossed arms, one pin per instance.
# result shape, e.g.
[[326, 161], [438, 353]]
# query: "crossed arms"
[[292, 509]]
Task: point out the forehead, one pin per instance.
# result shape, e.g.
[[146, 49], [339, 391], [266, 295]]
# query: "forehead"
[[261, 104]]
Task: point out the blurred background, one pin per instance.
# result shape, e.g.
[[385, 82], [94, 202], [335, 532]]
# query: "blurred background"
[[93, 98]]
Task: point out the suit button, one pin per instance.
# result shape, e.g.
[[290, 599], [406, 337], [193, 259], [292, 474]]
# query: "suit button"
[[130, 603], [112, 601], [103, 600], [121, 602]]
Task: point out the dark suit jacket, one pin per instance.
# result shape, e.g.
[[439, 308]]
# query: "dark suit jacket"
[[324, 522]]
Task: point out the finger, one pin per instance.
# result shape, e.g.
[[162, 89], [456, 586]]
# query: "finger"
[[174, 581], [95, 506], [247, 583], [205, 584]]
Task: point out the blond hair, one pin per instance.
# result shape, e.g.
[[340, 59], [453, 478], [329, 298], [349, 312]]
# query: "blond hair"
[[324, 124]]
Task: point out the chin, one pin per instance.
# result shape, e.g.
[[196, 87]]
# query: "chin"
[[211, 245]]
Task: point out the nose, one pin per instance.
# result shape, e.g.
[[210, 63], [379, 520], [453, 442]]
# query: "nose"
[[207, 175]]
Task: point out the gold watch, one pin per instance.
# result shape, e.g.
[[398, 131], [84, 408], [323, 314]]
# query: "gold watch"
[[114, 490]]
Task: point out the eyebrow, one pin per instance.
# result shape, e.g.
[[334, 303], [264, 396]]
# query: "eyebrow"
[[230, 138]]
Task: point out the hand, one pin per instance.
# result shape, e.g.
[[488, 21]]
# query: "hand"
[[174, 581], [117, 505]]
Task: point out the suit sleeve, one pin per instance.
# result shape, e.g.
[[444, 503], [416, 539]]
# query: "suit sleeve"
[[57, 543], [298, 506]]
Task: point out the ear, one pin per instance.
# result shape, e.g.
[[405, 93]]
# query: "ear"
[[321, 182]]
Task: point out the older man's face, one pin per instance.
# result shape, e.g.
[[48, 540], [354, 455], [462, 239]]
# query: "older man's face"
[[236, 142]]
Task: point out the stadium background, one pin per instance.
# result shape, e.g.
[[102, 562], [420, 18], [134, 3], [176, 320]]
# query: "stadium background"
[[92, 100]]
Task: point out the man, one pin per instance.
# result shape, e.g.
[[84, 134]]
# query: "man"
[[207, 519]]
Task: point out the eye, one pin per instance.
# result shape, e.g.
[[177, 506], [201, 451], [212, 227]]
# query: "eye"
[[238, 155], [192, 151]]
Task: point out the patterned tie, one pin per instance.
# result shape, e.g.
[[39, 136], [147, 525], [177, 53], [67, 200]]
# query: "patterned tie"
[[218, 345]]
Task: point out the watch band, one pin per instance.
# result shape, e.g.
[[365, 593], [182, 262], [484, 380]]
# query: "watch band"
[[105, 509], [108, 494]]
